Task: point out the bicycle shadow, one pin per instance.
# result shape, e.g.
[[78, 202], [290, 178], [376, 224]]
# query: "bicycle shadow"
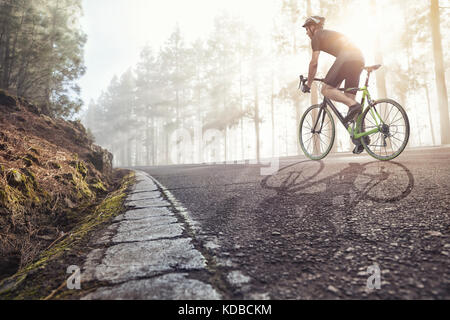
[[317, 210], [380, 182]]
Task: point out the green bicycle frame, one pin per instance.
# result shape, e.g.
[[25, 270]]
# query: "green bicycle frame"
[[353, 131]]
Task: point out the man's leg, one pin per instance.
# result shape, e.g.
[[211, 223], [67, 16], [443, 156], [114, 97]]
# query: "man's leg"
[[339, 96], [351, 96], [345, 98], [339, 72]]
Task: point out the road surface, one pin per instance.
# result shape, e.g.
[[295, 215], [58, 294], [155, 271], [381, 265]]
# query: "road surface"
[[347, 227]]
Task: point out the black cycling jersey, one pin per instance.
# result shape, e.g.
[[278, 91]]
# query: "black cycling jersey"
[[349, 59], [334, 43]]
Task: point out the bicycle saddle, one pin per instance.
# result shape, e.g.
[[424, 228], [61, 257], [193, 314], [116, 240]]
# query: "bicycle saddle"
[[372, 68]]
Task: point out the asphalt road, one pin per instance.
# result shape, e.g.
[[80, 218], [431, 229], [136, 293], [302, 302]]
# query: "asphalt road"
[[347, 227]]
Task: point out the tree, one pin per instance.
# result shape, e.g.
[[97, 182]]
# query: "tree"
[[41, 52], [440, 71], [151, 101], [222, 74], [176, 75]]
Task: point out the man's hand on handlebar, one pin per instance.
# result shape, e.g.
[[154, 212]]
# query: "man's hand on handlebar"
[[303, 86], [306, 89]]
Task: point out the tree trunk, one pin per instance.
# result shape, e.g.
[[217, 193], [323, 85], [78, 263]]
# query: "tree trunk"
[[137, 151], [5, 62], [166, 149], [225, 147], [147, 137], [429, 115], [154, 142], [14, 55], [241, 99], [128, 149], [123, 156], [272, 111], [314, 90], [298, 116], [440, 72], [257, 124]]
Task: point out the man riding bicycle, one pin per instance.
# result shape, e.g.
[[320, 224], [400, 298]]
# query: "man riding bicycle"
[[348, 66]]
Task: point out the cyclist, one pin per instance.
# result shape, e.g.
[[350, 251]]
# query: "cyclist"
[[348, 66]]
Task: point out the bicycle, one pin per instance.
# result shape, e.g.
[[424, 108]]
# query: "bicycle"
[[384, 130]]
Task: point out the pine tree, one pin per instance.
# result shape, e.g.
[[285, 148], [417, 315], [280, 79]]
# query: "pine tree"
[[440, 71], [41, 52]]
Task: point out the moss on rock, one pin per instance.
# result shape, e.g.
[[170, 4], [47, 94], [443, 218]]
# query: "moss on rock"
[[98, 186]]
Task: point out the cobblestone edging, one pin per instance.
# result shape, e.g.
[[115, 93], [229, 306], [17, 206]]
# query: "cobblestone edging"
[[146, 253]]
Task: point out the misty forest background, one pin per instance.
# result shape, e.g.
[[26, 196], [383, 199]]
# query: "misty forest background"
[[237, 82]]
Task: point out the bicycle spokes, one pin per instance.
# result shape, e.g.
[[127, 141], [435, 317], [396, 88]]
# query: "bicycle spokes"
[[392, 126], [316, 132]]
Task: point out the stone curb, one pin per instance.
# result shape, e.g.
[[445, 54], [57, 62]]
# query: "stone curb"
[[145, 253]]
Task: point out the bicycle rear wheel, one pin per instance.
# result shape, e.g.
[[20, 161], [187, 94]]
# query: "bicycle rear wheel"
[[316, 132], [393, 136]]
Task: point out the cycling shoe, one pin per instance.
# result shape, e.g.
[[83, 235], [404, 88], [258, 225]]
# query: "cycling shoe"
[[353, 111]]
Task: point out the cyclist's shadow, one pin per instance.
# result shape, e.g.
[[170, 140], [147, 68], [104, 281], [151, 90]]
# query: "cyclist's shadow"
[[311, 200], [376, 181]]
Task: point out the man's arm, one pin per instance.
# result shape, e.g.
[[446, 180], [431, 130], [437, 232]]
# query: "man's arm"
[[313, 67]]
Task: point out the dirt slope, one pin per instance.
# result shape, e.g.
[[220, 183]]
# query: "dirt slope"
[[51, 174]]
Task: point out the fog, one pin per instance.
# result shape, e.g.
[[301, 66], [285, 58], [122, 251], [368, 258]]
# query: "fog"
[[214, 82]]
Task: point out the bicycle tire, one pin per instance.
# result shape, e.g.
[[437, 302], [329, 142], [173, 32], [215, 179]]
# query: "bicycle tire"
[[371, 147], [308, 115]]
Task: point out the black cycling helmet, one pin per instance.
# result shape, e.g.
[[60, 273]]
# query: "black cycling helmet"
[[314, 20]]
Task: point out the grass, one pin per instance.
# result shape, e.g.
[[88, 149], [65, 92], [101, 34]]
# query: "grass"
[[45, 277]]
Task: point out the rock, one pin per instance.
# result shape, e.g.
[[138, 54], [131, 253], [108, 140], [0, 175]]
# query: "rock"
[[148, 229], [237, 278], [434, 233], [131, 261], [8, 101], [101, 159], [333, 289], [145, 213], [175, 286]]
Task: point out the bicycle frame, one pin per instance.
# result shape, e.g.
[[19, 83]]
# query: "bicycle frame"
[[374, 118], [352, 130]]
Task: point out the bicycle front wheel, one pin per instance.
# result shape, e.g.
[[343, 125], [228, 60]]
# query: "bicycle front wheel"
[[392, 120], [316, 132]]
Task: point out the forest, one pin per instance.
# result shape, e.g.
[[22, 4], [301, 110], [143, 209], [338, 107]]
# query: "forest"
[[41, 53], [231, 95]]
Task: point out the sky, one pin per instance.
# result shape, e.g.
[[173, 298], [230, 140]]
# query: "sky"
[[117, 30]]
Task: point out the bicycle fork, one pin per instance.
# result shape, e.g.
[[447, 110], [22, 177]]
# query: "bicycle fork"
[[321, 111]]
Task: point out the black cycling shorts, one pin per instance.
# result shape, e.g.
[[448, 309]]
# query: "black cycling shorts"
[[343, 69]]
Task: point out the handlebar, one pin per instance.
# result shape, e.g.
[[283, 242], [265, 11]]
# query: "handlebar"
[[303, 80]]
